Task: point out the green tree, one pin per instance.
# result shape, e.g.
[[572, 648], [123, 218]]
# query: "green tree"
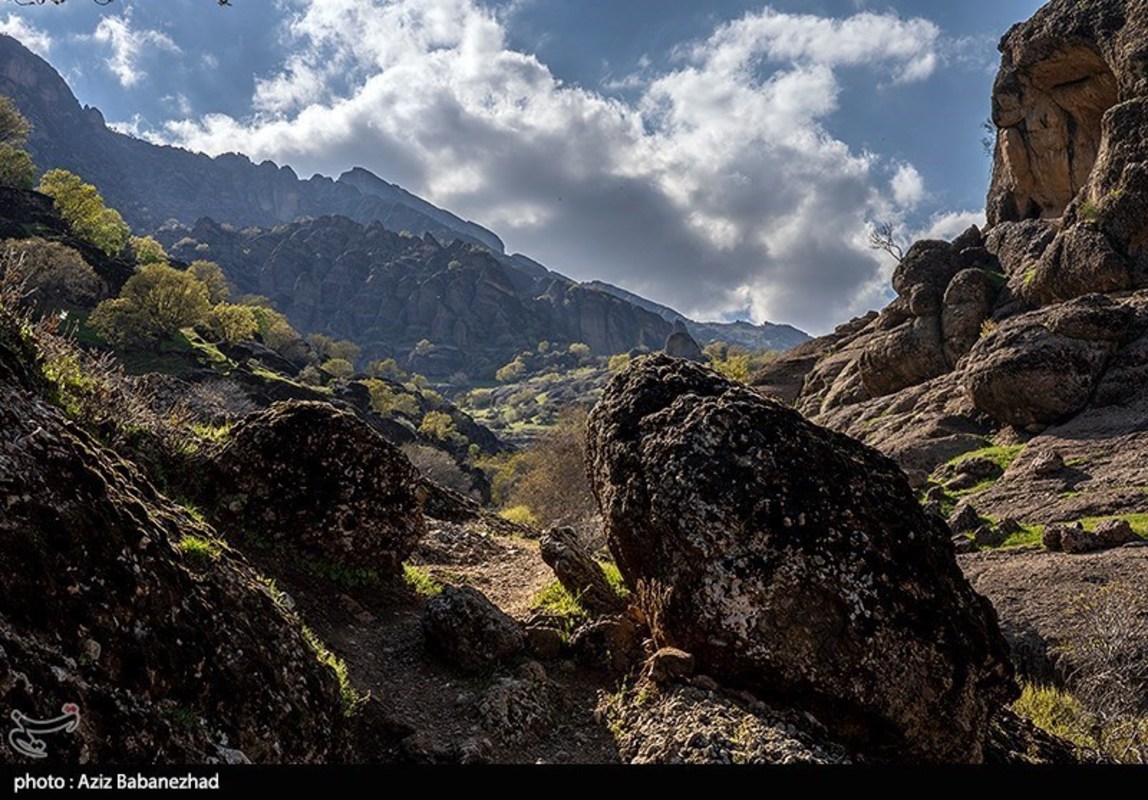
[[346, 350], [148, 251], [339, 367], [387, 368], [232, 323], [16, 168], [438, 425], [211, 275], [82, 207], [580, 351], [510, 372], [278, 334], [387, 400], [155, 303]]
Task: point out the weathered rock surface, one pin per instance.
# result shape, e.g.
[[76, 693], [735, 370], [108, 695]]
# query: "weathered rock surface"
[[469, 631], [778, 543], [170, 651], [680, 344], [1107, 534], [322, 483], [578, 572]]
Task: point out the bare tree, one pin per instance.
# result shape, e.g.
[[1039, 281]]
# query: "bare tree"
[[883, 236]]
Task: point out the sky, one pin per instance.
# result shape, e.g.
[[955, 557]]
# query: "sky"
[[725, 157]]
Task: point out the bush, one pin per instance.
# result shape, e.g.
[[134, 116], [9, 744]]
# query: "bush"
[[438, 425], [155, 303], [580, 351], [387, 368], [17, 171], [339, 367], [387, 401], [278, 334], [54, 275], [82, 207], [618, 363], [232, 323], [511, 372], [148, 251], [520, 515], [211, 276]]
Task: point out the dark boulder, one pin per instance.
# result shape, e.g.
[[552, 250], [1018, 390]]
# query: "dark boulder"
[[795, 562], [321, 482], [578, 572], [680, 344], [468, 631]]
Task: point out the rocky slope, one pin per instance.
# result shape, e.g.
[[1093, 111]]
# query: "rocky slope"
[[389, 292], [1032, 334]]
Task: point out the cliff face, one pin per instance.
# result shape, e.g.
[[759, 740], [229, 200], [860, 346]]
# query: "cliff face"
[[151, 184], [389, 292], [1031, 334]]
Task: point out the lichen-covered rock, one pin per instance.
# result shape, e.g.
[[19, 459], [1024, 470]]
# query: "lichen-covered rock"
[[578, 572], [468, 631], [905, 356], [688, 725], [795, 562], [519, 706], [321, 482], [114, 599], [1040, 367]]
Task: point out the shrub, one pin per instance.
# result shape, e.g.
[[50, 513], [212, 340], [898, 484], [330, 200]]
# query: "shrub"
[[232, 323], [339, 367], [148, 251], [387, 400], [82, 207], [155, 303], [438, 425], [211, 276], [510, 372], [421, 581], [520, 515], [17, 171], [618, 363], [387, 368], [55, 275], [579, 350], [278, 334]]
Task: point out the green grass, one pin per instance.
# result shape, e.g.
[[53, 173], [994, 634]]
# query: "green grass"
[[1055, 711], [614, 578], [520, 515], [1032, 534], [555, 600], [212, 433], [1001, 455], [421, 581], [1090, 211], [200, 551], [351, 698]]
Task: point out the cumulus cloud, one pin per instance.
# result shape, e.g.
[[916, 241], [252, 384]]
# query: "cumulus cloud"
[[128, 45], [718, 187], [948, 226], [36, 40]]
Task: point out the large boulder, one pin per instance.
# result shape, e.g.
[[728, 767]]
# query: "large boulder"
[[1040, 367], [905, 356], [114, 599], [321, 482], [469, 631], [967, 304], [794, 562]]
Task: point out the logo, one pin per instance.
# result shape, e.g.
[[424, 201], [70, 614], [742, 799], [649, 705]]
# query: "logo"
[[25, 737]]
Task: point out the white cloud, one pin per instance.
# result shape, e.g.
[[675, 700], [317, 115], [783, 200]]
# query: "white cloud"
[[36, 40], [128, 45], [948, 226], [717, 188], [908, 186]]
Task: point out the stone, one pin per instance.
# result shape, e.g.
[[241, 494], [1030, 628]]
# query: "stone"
[[989, 536], [544, 642], [967, 304], [516, 707], [669, 664], [904, 356], [1107, 534], [680, 344], [1047, 462], [320, 482], [964, 519], [768, 536], [578, 572], [612, 644], [468, 631]]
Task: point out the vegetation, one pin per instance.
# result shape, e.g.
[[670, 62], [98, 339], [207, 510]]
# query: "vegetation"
[[340, 368], [155, 303], [232, 323], [147, 250], [438, 465], [351, 698], [82, 207], [438, 425], [420, 581], [16, 168], [556, 601], [211, 276], [736, 362], [52, 276], [520, 515], [200, 551]]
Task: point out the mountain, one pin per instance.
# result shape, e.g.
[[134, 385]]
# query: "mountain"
[[155, 186], [439, 309], [765, 336]]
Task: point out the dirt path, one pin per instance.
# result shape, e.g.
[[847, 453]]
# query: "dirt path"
[[378, 633]]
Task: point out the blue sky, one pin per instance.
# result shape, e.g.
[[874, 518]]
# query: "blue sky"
[[723, 157]]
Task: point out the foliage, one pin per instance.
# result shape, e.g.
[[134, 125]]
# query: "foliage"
[[53, 275], [387, 368], [1055, 711], [618, 363], [341, 368], [438, 425], [17, 170], [155, 303], [232, 323], [82, 207], [278, 334], [553, 484], [579, 350], [421, 581], [520, 515], [389, 400], [736, 362], [1090, 211], [555, 600], [200, 551], [328, 349], [211, 276], [510, 372], [147, 250], [350, 696]]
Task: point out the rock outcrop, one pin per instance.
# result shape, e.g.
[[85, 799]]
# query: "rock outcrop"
[[114, 599], [795, 562], [321, 483], [578, 572]]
